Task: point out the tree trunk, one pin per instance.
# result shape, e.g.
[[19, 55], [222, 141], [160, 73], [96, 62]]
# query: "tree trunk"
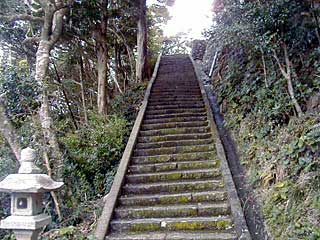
[[286, 73], [8, 131], [66, 98], [50, 138], [50, 34], [116, 65], [102, 79], [316, 19], [289, 83], [82, 91], [141, 64], [264, 68], [122, 38], [102, 58], [53, 194]]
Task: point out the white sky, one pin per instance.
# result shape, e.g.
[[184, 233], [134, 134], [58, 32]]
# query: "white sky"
[[189, 16]]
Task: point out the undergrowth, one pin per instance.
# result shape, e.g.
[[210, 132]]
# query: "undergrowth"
[[280, 151], [92, 155]]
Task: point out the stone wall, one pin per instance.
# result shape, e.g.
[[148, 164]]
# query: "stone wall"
[[203, 53], [198, 49]]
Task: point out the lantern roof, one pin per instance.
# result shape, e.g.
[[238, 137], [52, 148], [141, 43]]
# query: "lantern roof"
[[29, 179], [29, 183]]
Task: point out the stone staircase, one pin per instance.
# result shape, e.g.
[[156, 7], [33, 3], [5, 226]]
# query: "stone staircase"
[[174, 187]]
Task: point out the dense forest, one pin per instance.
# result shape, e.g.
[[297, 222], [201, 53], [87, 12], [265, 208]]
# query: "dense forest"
[[70, 89], [268, 84], [73, 75]]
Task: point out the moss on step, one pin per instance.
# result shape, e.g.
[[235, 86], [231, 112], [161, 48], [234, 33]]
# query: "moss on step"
[[175, 149], [223, 225], [198, 174], [149, 139], [151, 213], [176, 157], [212, 196], [181, 226], [178, 199], [140, 227], [198, 165], [199, 225], [173, 131], [207, 185]]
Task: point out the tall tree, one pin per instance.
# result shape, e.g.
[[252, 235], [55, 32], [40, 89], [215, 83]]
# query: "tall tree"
[[53, 20], [49, 16], [141, 64], [102, 57]]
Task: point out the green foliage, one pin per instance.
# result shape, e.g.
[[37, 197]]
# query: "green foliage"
[[279, 150], [9, 236], [128, 104], [67, 233], [20, 90], [283, 165], [157, 17], [93, 151], [178, 44], [7, 166]]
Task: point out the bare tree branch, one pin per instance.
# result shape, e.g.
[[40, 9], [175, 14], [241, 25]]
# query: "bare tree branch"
[[31, 40], [8, 130], [286, 72], [122, 38], [58, 25], [282, 69], [22, 17]]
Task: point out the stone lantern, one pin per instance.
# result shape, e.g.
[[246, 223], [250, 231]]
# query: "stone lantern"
[[27, 189]]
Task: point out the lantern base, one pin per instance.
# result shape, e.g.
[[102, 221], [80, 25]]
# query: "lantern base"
[[26, 223], [26, 234]]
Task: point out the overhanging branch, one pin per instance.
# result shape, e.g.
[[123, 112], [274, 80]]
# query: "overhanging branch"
[[22, 17], [31, 40]]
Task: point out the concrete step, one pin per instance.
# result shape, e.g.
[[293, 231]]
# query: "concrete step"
[[176, 89], [194, 156], [175, 198], [182, 98], [174, 125], [176, 92], [168, 83], [165, 144], [172, 224], [175, 106], [175, 85], [174, 111], [190, 210], [173, 187], [173, 176], [173, 101], [176, 137], [175, 97], [175, 115], [192, 235], [173, 166], [182, 89], [174, 150], [173, 131], [172, 98], [201, 117], [180, 103]]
